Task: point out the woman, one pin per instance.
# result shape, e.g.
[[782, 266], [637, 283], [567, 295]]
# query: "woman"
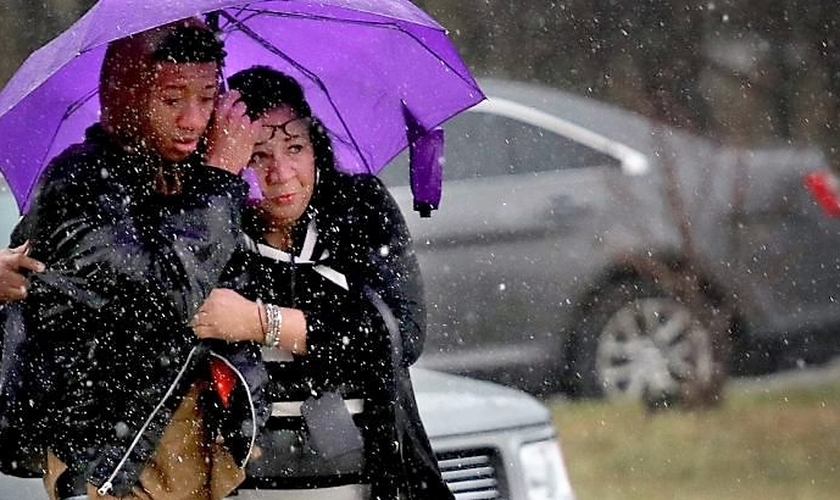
[[333, 266]]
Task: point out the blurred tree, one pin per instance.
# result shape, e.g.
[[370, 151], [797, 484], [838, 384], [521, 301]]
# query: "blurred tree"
[[27, 25], [820, 28], [743, 71]]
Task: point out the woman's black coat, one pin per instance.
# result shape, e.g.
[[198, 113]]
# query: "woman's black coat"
[[361, 235]]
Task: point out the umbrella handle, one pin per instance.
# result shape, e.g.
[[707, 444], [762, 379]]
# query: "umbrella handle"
[[425, 162]]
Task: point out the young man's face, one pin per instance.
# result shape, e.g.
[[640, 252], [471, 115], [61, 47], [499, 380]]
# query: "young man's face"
[[181, 101]]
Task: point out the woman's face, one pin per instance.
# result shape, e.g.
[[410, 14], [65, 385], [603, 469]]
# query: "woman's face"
[[284, 162]]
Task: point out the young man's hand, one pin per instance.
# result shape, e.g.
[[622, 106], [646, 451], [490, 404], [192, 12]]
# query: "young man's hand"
[[13, 285], [231, 136]]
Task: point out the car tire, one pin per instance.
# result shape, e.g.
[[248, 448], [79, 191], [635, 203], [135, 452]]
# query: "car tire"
[[637, 340]]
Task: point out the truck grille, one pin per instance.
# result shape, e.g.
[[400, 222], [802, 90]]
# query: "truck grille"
[[471, 474]]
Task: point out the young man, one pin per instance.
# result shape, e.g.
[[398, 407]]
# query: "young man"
[[134, 226]]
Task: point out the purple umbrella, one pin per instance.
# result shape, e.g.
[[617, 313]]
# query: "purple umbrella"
[[363, 63]]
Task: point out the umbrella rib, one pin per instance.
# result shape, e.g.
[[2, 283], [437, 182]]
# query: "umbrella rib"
[[235, 16], [274, 50], [73, 106]]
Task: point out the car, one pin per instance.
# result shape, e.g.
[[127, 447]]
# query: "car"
[[581, 247], [492, 442]]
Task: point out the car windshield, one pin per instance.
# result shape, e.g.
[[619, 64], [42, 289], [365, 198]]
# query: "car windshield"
[[639, 225]]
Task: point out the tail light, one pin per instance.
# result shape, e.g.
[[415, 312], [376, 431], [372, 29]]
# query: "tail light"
[[825, 188]]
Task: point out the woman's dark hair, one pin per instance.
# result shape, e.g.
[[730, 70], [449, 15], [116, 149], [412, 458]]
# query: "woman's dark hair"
[[264, 88]]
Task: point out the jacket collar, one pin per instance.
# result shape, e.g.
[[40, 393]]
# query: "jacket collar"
[[136, 166]]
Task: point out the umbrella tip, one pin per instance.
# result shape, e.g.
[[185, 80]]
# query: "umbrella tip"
[[212, 20]]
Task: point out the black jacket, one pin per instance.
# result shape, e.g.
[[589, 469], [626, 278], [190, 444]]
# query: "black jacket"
[[106, 354], [363, 247]]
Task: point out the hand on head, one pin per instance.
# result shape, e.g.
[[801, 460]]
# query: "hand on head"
[[231, 136], [13, 261]]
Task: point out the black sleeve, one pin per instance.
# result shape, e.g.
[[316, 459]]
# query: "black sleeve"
[[394, 273], [126, 260], [386, 264]]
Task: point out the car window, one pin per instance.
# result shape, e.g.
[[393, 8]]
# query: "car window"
[[475, 145], [535, 149], [480, 144]]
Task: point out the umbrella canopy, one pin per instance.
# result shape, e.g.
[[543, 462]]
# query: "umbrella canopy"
[[379, 74]]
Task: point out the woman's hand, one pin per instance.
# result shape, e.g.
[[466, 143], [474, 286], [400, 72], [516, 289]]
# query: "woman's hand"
[[13, 261], [226, 315]]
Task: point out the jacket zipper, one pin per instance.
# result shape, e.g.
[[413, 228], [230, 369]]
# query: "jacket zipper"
[[108, 485], [251, 406]]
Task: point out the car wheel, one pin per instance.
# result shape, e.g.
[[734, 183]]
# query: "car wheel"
[[636, 341]]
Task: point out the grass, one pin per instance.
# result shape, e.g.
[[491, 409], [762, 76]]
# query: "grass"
[[781, 443]]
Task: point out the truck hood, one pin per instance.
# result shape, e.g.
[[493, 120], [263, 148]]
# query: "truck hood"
[[453, 405]]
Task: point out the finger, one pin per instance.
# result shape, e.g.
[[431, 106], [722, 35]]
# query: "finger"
[[233, 95], [200, 331], [10, 293], [239, 109], [202, 319], [230, 99], [256, 125], [223, 107], [13, 280], [24, 248], [202, 311], [26, 262], [206, 332]]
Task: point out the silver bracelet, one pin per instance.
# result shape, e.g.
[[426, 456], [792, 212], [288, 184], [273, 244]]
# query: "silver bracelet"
[[270, 335], [278, 325], [275, 323]]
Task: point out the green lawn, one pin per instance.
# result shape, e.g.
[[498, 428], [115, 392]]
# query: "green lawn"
[[759, 444]]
